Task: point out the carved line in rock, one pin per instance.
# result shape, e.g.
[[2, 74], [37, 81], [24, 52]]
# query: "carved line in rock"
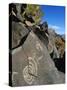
[[38, 46], [30, 71]]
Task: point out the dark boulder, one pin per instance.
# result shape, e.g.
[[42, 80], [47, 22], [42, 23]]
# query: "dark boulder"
[[29, 17], [12, 7], [23, 7], [60, 63], [44, 27]]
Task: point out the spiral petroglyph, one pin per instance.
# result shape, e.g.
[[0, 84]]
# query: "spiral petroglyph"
[[30, 71], [27, 77]]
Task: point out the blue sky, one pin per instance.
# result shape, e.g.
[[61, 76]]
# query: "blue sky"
[[55, 16]]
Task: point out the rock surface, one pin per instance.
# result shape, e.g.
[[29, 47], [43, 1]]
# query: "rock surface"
[[37, 52], [32, 64], [18, 32]]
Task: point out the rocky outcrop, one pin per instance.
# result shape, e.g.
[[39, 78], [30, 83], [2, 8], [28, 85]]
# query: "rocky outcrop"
[[36, 52], [60, 45], [33, 64]]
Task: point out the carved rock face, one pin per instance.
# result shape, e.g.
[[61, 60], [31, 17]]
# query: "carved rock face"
[[33, 64], [31, 49]]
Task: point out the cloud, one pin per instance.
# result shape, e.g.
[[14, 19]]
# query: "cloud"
[[57, 29], [54, 27]]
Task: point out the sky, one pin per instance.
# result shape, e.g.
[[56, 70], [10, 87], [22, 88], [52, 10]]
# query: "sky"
[[55, 17]]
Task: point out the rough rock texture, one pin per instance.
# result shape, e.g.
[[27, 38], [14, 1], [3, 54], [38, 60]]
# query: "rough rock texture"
[[35, 54], [32, 65], [18, 32], [58, 43], [52, 36]]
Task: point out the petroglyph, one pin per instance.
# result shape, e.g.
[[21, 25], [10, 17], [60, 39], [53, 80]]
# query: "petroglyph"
[[30, 71], [40, 57], [33, 64], [27, 77], [38, 46]]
